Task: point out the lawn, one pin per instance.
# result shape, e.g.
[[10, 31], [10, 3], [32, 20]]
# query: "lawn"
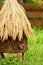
[[34, 54]]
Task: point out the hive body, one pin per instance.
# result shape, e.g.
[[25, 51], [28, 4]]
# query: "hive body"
[[13, 21]]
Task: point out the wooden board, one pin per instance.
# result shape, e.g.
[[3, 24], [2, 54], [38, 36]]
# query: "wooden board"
[[34, 13], [11, 46]]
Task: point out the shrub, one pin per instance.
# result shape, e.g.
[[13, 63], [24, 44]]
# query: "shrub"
[[2, 1], [31, 1]]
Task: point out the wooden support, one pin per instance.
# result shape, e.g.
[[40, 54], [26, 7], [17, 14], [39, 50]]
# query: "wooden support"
[[11, 46], [1, 55], [22, 56]]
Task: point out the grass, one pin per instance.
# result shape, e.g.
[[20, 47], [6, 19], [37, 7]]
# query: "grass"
[[38, 37], [34, 55]]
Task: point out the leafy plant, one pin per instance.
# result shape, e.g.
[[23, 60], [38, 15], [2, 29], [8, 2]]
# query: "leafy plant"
[[32, 1], [2, 1]]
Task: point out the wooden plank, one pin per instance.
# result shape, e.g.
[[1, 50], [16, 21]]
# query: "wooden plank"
[[32, 7], [35, 15], [37, 23], [11, 46]]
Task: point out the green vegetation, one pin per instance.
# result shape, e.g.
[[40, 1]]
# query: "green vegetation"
[[34, 55], [32, 1], [25, 1], [38, 36], [2, 1]]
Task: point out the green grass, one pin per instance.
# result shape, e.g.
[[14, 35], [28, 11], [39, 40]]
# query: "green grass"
[[38, 37], [34, 54]]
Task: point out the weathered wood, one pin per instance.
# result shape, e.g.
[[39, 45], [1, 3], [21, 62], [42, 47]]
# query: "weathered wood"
[[34, 13], [22, 56], [32, 6], [13, 46], [37, 23], [2, 55]]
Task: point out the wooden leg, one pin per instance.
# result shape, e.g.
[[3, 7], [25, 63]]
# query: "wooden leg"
[[22, 56], [2, 55]]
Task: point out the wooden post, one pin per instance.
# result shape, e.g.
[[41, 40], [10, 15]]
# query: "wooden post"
[[22, 56], [2, 55]]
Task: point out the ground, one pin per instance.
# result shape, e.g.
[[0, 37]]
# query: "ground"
[[34, 54]]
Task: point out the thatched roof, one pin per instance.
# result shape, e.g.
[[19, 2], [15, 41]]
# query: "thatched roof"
[[13, 21]]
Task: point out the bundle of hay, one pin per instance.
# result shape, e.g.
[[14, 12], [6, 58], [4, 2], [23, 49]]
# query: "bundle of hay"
[[13, 21]]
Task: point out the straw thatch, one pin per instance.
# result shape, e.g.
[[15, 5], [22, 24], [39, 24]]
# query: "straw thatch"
[[13, 21]]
